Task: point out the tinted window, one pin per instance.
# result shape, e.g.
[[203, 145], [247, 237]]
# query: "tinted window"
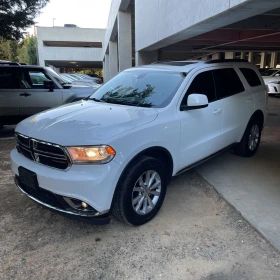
[[140, 88], [227, 82], [251, 77], [203, 83], [8, 78]]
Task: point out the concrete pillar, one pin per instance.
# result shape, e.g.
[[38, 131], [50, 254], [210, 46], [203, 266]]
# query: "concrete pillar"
[[229, 55], [143, 58], [216, 56], [113, 59], [250, 57], [243, 55], [204, 58], [106, 69], [273, 61], [124, 40], [263, 60]]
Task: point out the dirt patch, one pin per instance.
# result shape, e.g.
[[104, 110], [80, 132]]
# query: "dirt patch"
[[196, 235]]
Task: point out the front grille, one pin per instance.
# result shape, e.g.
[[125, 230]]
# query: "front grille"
[[42, 152]]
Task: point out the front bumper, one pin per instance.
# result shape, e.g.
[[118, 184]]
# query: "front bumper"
[[63, 209], [273, 89], [93, 184]]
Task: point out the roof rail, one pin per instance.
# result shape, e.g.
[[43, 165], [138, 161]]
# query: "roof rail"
[[9, 63], [225, 60], [176, 62]]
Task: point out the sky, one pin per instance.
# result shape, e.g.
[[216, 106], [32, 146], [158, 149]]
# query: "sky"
[[84, 13]]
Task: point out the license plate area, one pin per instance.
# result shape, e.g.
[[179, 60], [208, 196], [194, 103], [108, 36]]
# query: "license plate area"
[[28, 178]]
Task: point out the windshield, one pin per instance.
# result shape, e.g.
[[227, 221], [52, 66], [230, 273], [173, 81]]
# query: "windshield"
[[269, 73], [144, 88], [56, 76]]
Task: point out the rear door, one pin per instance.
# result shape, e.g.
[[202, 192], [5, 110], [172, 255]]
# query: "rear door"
[[9, 95], [33, 97], [201, 129], [238, 103]]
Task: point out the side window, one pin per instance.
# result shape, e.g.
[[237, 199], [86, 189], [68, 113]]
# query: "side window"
[[251, 77], [8, 78], [203, 83], [33, 79], [227, 82]]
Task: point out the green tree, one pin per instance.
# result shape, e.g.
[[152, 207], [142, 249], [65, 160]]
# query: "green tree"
[[4, 49], [32, 50], [13, 50], [17, 15]]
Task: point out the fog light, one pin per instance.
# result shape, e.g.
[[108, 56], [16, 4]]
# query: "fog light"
[[84, 205]]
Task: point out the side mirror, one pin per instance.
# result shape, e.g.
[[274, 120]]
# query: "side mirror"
[[49, 85], [277, 75], [195, 101]]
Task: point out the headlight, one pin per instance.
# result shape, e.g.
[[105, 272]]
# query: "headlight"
[[91, 155]]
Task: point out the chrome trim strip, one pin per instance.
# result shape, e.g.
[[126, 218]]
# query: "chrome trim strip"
[[58, 209]]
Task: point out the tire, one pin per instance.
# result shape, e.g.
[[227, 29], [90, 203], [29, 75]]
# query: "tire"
[[129, 190], [250, 141]]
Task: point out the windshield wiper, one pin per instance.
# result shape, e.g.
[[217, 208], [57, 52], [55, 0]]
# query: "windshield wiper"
[[123, 102], [96, 99]]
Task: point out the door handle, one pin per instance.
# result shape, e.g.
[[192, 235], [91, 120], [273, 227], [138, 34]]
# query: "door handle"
[[217, 111], [249, 100], [25, 94]]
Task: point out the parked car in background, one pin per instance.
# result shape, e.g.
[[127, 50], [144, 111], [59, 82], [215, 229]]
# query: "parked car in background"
[[86, 77], [116, 151], [262, 70], [78, 81], [96, 76], [272, 80], [26, 90]]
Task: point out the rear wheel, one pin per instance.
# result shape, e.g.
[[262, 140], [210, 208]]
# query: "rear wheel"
[[250, 141], [140, 192]]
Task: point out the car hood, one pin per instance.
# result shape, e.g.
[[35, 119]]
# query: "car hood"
[[85, 122], [268, 80]]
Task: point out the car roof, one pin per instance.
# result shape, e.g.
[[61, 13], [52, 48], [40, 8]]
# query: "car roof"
[[188, 65]]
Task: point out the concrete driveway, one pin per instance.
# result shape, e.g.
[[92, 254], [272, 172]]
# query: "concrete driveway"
[[252, 185]]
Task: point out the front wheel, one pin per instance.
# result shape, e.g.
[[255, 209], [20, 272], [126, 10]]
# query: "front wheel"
[[140, 192], [250, 141]]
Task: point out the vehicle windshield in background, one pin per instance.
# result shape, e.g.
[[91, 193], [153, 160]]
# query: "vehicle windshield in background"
[[143, 88], [269, 73], [56, 77]]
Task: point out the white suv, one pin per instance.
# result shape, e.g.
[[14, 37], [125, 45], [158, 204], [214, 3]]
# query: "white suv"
[[117, 151]]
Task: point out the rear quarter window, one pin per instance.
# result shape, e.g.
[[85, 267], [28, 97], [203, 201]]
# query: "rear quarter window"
[[251, 77]]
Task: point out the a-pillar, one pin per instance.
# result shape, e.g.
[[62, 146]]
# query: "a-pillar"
[[124, 40], [106, 75], [113, 59], [263, 60], [273, 61], [146, 57], [229, 55]]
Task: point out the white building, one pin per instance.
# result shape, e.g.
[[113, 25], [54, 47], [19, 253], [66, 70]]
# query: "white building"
[[144, 31], [63, 47]]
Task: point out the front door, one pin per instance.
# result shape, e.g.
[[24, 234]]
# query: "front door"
[[34, 98], [201, 129]]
